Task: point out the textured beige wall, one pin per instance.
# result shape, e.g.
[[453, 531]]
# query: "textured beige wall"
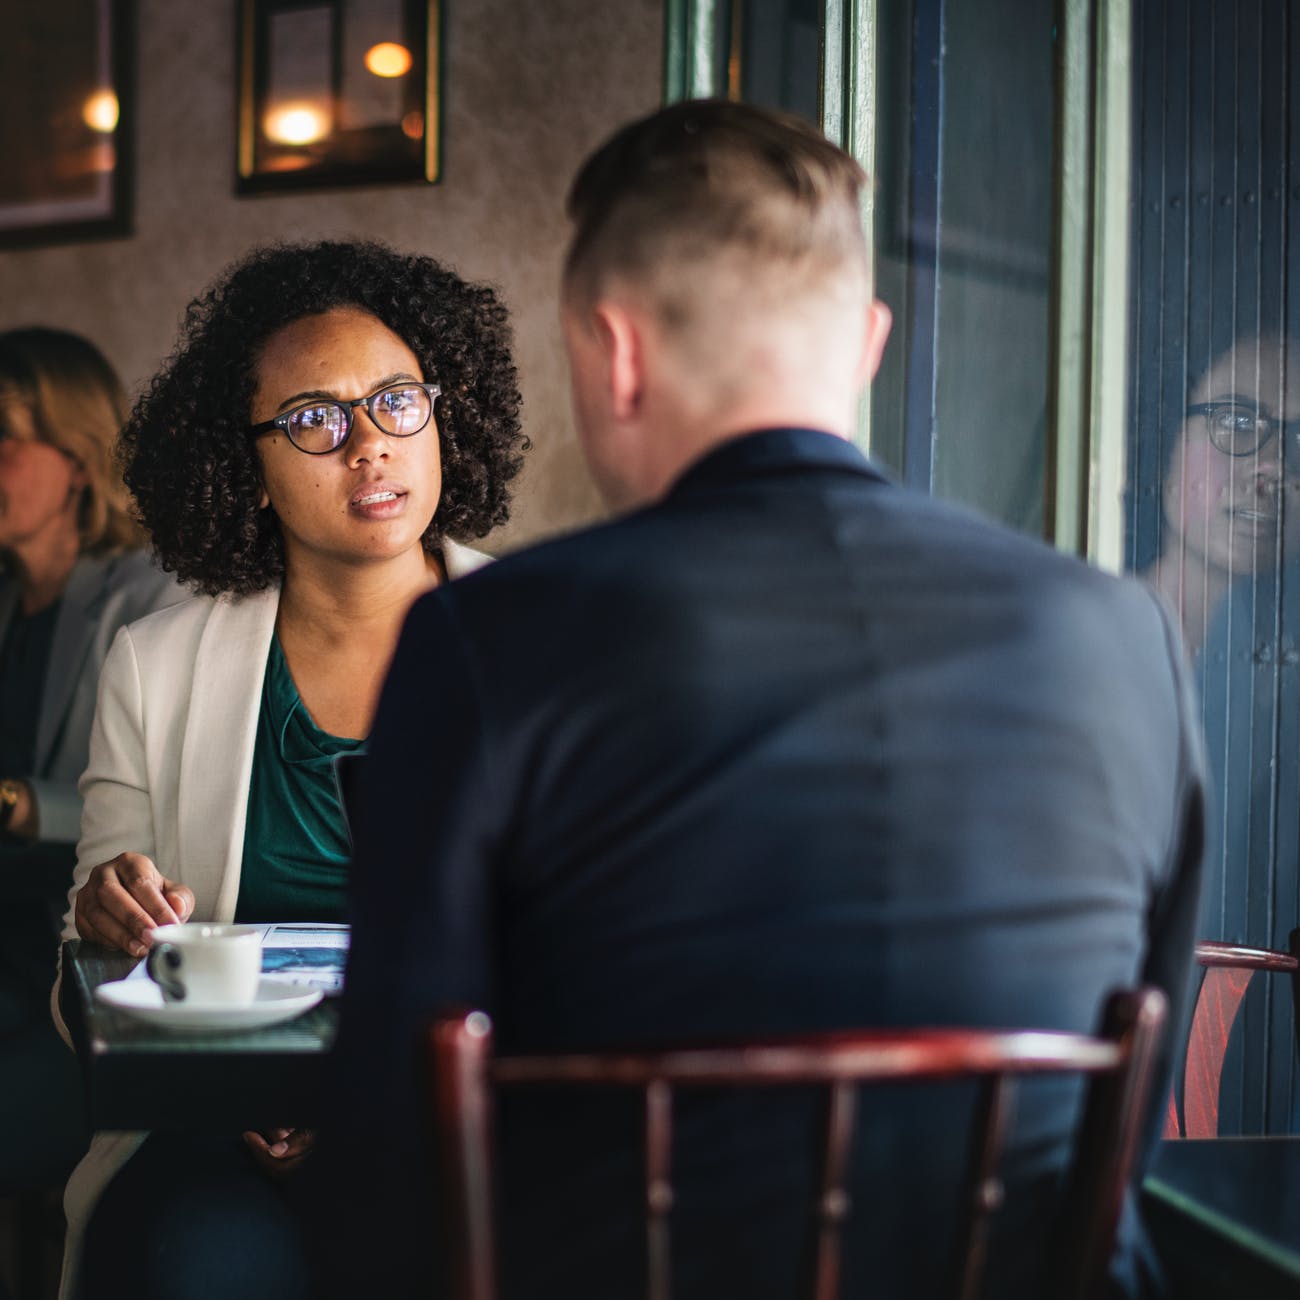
[[530, 86]]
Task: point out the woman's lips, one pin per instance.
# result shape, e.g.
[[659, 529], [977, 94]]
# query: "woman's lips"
[[378, 501], [1256, 523]]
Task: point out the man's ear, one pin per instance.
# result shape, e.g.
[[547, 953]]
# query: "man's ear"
[[879, 321], [622, 346]]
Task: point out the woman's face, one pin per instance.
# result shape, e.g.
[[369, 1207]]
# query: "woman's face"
[[371, 499], [39, 485], [1229, 511]]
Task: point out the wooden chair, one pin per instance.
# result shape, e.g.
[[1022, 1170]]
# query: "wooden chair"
[[1229, 969], [465, 1073]]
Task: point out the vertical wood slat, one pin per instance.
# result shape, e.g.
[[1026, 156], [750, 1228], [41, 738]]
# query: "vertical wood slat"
[[1106, 1143], [985, 1190], [833, 1202], [1221, 994], [461, 1052], [658, 1188]]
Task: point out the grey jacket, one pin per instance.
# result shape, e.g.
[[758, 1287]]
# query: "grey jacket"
[[104, 593]]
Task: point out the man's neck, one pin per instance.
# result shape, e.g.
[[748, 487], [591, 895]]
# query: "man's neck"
[[674, 449]]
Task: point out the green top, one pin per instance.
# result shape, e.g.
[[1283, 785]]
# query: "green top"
[[296, 846]]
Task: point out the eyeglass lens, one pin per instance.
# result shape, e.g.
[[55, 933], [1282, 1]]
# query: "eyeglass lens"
[[1238, 429], [401, 411]]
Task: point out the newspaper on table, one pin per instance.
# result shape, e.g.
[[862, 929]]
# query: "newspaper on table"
[[307, 953]]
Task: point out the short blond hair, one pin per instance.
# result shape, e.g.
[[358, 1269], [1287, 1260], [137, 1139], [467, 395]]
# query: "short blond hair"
[[77, 405], [711, 187]]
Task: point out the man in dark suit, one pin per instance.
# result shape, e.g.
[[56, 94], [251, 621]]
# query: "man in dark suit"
[[782, 748]]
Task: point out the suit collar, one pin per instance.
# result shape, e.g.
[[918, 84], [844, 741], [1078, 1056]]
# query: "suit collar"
[[775, 451]]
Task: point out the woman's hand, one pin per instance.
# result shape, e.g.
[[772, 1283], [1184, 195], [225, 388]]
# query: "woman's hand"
[[280, 1151], [123, 900]]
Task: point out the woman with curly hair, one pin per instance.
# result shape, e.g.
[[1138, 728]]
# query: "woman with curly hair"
[[335, 419]]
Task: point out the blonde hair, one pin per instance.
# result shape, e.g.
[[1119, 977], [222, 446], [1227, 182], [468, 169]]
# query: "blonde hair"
[[77, 405], [709, 192]]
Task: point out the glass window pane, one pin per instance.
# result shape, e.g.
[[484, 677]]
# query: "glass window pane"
[[1214, 463], [963, 255]]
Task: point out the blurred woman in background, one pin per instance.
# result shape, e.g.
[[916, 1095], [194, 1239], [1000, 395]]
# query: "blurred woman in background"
[[71, 574]]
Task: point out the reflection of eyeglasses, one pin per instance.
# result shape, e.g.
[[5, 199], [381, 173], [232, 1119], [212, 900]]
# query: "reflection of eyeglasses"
[[323, 426], [1237, 428]]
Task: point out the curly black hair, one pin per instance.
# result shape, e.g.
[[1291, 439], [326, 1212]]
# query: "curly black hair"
[[186, 453]]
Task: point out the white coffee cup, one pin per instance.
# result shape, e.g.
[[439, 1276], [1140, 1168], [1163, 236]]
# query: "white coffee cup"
[[206, 965]]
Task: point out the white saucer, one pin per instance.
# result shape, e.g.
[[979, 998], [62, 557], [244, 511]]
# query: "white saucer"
[[143, 999]]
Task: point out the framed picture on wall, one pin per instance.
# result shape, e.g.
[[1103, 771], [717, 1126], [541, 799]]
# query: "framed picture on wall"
[[337, 92], [65, 120]]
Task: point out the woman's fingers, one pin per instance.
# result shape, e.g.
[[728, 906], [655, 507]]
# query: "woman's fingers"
[[180, 897], [123, 900], [298, 1142], [108, 909], [92, 934], [279, 1151]]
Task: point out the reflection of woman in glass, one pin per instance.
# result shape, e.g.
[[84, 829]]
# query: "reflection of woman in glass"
[[1232, 478]]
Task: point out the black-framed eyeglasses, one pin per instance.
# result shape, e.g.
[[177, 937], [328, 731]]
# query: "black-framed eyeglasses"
[[323, 425], [1238, 429]]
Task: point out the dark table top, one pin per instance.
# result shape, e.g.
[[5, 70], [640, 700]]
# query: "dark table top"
[[140, 1076], [1225, 1216]]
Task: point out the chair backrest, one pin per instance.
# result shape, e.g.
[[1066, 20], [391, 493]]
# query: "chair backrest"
[[465, 1073], [1228, 971]]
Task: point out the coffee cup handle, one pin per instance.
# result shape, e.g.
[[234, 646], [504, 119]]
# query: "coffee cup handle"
[[167, 956]]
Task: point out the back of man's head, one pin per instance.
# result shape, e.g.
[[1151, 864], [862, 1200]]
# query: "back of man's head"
[[708, 205]]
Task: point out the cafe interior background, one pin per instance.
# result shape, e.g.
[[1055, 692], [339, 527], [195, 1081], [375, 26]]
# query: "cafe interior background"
[[1085, 216]]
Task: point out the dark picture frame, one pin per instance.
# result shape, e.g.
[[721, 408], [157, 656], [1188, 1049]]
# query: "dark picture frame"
[[67, 121], [337, 92]]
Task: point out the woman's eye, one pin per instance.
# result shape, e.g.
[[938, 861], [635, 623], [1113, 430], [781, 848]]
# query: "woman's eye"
[[1239, 420], [315, 417], [397, 401]]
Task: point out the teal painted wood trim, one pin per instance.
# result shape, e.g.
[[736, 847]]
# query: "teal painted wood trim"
[[849, 40], [690, 50], [1110, 352], [675, 50], [848, 86], [836, 69], [1070, 363], [1089, 354]]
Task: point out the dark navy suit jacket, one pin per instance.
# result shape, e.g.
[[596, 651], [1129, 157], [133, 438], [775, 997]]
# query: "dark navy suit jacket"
[[794, 749]]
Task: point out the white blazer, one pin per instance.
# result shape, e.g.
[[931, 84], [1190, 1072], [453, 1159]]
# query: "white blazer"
[[171, 757]]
